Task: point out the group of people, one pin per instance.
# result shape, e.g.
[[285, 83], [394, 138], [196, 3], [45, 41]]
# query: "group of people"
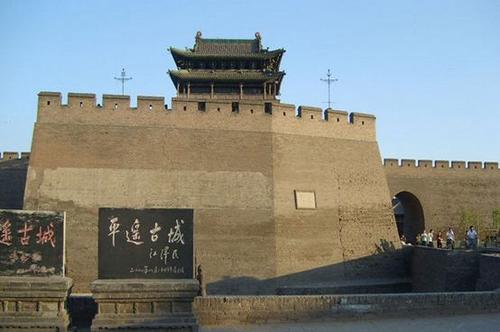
[[427, 239]]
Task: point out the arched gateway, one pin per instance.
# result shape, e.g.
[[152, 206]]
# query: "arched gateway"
[[409, 215]]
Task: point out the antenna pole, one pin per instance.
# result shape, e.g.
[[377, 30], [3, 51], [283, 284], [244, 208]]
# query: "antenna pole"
[[329, 80], [123, 78]]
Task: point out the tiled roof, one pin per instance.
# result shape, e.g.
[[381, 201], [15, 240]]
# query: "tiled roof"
[[192, 54], [227, 46], [226, 75]]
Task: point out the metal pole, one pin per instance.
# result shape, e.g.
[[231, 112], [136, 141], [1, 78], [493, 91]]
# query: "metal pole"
[[123, 79], [329, 81]]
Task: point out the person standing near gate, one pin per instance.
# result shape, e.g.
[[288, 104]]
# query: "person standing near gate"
[[450, 239], [472, 238]]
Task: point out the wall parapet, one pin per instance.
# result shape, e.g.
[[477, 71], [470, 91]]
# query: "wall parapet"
[[273, 116], [8, 155], [223, 310], [440, 164]]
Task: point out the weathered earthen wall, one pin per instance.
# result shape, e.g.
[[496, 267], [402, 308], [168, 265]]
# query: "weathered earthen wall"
[[448, 191], [440, 270], [238, 171], [235, 310], [13, 169], [489, 272]]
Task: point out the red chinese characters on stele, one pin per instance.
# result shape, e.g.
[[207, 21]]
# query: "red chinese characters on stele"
[[44, 236]]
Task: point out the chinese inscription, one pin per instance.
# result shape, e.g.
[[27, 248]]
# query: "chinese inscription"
[[147, 243], [31, 243]]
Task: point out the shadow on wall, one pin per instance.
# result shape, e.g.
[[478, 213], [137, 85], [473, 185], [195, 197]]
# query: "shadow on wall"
[[441, 270], [386, 271], [410, 217], [13, 181]]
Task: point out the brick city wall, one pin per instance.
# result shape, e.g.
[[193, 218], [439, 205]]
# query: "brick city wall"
[[439, 270], [448, 191], [234, 310], [489, 272], [238, 171], [13, 169]]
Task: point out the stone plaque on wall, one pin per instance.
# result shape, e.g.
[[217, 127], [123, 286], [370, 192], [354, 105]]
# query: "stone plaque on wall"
[[145, 243], [31, 243], [305, 199]]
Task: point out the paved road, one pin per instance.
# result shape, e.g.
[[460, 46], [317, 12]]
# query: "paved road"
[[462, 323]]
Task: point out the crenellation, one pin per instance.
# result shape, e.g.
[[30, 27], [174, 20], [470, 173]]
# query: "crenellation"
[[81, 100], [475, 165], [391, 162], [245, 114], [287, 110], [441, 164], [8, 155], [424, 163], [150, 104], [336, 116], [362, 119], [458, 164], [310, 113], [490, 165], [116, 102], [408, 163], [49, 100]]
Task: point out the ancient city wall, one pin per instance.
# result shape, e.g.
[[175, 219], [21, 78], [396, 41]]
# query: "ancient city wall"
[[236, 310], [13, 169], [238, 171], [449, 193], [151, 111], [439, 270]]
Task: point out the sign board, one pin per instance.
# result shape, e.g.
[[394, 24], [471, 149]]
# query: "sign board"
[[31, 243], [305, 199], [145, 243]]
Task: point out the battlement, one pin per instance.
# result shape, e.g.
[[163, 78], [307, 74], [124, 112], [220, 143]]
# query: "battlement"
[[205, 113], [53, 100], [440, 164], [7, 155]]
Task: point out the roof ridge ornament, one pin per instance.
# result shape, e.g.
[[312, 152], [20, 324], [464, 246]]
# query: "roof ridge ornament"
[[197, 38], [258, 37]]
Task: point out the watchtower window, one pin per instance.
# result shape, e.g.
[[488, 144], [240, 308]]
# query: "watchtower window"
[[235, 107], [202, 106], [268, 108], [48, 102], [312, 116]]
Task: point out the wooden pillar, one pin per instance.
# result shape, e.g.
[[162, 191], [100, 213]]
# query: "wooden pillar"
[[274, 89], [264, 90], [188, 89], [211, 90], [241, 90], [178, 88]]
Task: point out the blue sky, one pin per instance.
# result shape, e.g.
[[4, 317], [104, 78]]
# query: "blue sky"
[[429, 70]]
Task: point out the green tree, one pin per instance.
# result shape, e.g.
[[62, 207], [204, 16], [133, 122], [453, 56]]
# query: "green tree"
[[469, 218], [496, 218]]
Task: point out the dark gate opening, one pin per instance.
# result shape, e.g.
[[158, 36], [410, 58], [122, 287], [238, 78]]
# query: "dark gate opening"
[[409, 215]]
